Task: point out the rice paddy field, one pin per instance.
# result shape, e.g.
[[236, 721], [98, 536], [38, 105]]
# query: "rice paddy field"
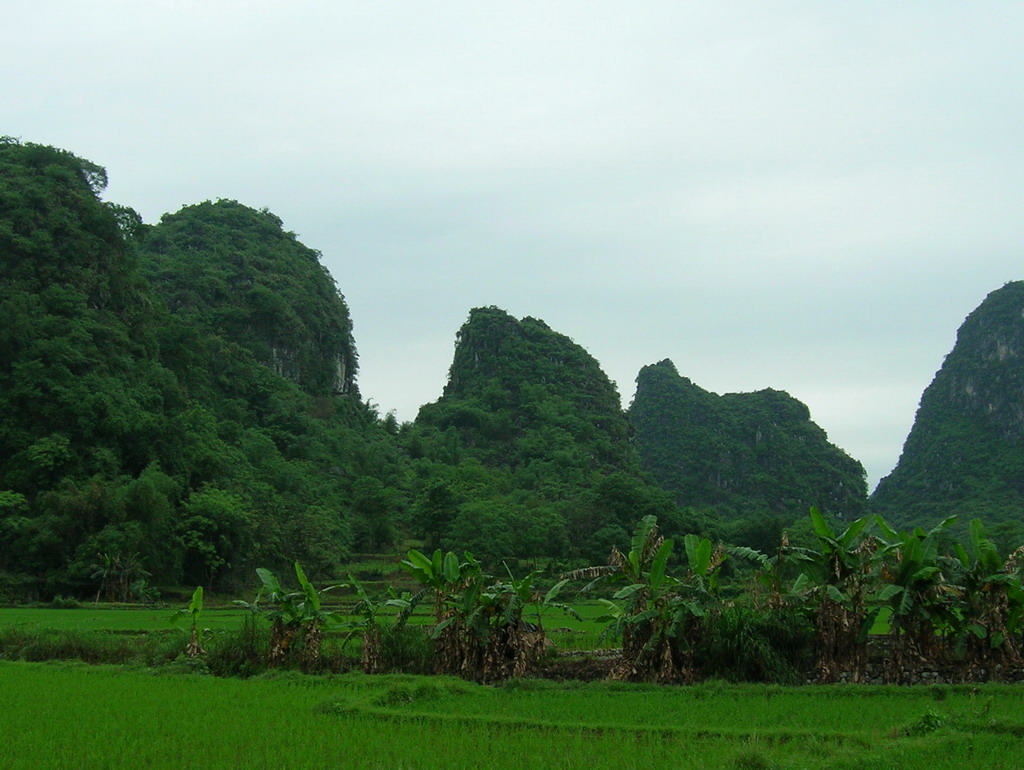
[[567, 632], [66, 715], [72, 715], [107, 618]]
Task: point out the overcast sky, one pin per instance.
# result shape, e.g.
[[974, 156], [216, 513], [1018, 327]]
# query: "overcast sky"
[[808, 196]]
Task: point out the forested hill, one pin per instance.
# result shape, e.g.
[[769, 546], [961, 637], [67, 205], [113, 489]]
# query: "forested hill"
[[743, 454], [518, 391], [528, 449], [157, 442], [179, 405], [232, 271], [965, 452]]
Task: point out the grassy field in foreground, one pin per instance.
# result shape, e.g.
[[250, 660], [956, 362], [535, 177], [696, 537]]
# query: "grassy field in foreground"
[[71, 715]]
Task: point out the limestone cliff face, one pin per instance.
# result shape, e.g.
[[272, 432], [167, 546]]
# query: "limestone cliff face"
[[965, 451], [740, 452], [235, 271]]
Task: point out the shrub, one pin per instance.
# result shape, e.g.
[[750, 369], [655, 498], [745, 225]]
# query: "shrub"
[[238, 653], [64, 603], [406, 649], [741, 644]]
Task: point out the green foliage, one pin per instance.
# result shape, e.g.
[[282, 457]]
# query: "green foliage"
[[183, 393], [238, 652], [193, 612], [480, 632], [234, 272], [742, 644], [295, 616], [963, 455], [527, 452], [657, 616], [752, 456]]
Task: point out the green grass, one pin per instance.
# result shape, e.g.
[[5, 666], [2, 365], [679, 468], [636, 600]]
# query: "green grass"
[[88, 618], [68, 715]]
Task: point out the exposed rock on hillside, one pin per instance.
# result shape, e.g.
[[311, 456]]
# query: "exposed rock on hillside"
[[965, 452], [235, 271]]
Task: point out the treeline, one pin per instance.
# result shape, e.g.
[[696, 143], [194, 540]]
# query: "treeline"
[[179, 403]]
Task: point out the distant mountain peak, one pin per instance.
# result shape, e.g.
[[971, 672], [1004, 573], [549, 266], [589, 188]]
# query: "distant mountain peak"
[[739, 452], [235, 270], [965, 451]]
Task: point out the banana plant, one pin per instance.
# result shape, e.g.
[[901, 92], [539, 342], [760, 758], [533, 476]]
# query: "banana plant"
[[512, 645], [479, 630], [313, 618], [527, 592], [775, 571], [442, 574], [292, 613], [991, 611], [656, 615], [455, 584], [369, 611], [835, 583], [193, 612], [914, 589]]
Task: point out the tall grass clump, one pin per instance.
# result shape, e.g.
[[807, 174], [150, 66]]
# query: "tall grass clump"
[[242, 652], [744, 644], [41, 644], [405, 649]]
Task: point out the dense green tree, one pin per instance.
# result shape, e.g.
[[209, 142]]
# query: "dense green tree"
[[536, 445], [234, 271]]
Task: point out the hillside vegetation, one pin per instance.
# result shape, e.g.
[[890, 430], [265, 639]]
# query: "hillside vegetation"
[[965, 452], [146, 432], [179, 404], [755, 458]]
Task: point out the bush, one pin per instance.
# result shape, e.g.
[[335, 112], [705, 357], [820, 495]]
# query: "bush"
[[741, 644], [238, 653], [406, 649], [64, 603]]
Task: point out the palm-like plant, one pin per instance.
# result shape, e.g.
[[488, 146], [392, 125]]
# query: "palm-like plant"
[[455, 584], [118, 573], [775, 572], [443, 575], [480, 632], [657, 616], [835, 582], [991, 613], [920, 599], [292, 613], [512, 645], [369, 610], [194, 611]]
